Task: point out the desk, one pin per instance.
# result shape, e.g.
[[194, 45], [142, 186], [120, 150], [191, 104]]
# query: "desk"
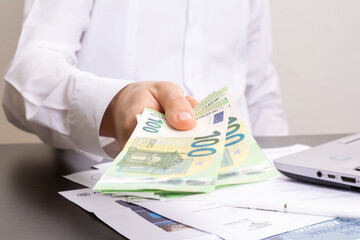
[[31, 177]]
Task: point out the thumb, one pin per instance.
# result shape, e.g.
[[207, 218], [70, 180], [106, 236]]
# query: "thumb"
[[178, 110]]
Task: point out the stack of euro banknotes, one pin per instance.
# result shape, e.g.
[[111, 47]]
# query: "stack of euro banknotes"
[[159, 161]]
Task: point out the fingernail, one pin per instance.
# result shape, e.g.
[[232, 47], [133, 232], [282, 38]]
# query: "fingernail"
[[184, 116]]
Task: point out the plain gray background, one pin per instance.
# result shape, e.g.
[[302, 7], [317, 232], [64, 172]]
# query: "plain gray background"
[[316, 53]]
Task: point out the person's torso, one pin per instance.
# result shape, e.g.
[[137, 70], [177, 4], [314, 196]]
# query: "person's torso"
[[198, 44]]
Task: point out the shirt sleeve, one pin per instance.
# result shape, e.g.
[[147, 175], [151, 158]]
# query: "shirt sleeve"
[[44, 92], [262, 89]]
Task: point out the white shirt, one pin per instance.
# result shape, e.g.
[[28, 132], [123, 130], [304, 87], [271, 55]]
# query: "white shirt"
[[74, 56]]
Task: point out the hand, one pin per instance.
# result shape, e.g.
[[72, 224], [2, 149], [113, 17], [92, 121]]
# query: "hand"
[[119, 119]]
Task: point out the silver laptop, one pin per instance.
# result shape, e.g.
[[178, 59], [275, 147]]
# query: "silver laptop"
[[335, 163]]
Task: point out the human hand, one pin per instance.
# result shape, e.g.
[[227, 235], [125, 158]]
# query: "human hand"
[[119, 120]]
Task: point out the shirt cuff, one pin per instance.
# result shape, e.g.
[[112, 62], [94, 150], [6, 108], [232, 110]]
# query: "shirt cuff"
[[89, 102]]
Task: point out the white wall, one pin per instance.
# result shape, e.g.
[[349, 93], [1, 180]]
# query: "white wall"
[[10, 26], [316, 53]]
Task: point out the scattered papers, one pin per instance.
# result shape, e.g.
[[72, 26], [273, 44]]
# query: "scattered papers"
[[228, 223], [132, 221], [218, 213]]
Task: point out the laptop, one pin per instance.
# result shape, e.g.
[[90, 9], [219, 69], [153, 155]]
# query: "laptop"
[[335, 163]]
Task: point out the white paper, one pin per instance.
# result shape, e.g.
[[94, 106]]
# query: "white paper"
[[87, 178], [210, 215], [102, 166], [299, 196], [274, 153]]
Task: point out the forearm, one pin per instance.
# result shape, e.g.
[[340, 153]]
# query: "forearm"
[[46, 95]]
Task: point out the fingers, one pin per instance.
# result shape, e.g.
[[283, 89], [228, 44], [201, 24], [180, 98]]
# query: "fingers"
[[178, 109], [192, 101], [119, 119]]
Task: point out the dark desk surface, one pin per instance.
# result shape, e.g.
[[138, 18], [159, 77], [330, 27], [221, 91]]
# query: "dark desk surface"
[[31, 177]]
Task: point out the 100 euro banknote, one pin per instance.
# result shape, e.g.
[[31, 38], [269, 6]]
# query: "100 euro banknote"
[[243, 160], [158, 157]]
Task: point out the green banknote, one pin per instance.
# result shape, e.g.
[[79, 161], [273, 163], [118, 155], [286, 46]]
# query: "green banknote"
[[158, 157], [243, 160], [210, 99]]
